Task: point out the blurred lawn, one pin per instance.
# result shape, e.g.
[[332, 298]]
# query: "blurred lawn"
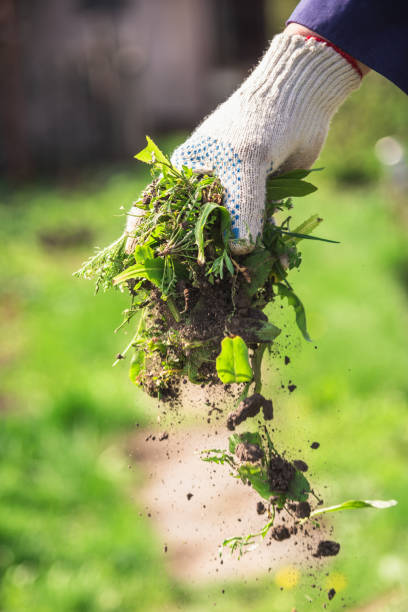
[[71, 538]]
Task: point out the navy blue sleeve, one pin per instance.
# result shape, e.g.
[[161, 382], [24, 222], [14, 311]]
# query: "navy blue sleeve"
[[375, 32]]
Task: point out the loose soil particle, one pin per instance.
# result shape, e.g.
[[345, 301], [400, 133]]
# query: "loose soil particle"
[[280, 533], [260, 508], [331, 594], [315, 445], [327, 548], [281, 473], [250, 407], [303, 510], [300, 465], [248, 452]]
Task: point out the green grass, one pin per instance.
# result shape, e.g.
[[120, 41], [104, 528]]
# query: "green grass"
[[71, 537]]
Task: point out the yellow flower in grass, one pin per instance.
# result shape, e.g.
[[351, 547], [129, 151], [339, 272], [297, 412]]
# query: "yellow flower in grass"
[[287, 577], [336, 581]]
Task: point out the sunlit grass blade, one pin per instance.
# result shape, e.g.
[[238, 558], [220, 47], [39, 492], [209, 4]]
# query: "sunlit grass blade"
[[355, 504]]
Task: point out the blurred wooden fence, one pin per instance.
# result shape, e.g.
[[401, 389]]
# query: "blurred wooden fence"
[[84, 80]]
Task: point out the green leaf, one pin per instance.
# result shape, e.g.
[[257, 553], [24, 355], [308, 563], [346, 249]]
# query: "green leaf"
[[354, 504], [233, 362], [309, 225], [304, 228], [136, 365], [195, 360], [299, 237], [267, 332], [219, 456], [151, 269], [251, 438], [217, 267], [151, 154], [258, 479], [298, 174], [202, 220], [299, 488], [294, 301], [233, 442], [278, 188], [248, 436], [228, 263], [143, 252], [265, 529], [259, 264]]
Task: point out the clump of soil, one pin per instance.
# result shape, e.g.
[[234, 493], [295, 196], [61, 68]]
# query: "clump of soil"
[[260, 508], [303, 510], [331, 594], [190, 346], [250, 407], [327, 548], [300, 465], [280, 473], [315, 445], [245, 451], [280, 533]]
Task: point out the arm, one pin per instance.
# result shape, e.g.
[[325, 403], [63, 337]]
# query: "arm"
[[375, 32]]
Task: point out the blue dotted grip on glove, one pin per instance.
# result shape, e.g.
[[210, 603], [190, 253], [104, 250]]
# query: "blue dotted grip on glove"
[[209, 154]]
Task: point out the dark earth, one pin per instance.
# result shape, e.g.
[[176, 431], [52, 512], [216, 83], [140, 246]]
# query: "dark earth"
[[280, 533], [327, 548], [281, 473], [248, 452], [331, 594], [250, 407]]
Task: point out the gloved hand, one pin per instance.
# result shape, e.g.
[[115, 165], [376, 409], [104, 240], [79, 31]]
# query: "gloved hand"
[[276, 121]]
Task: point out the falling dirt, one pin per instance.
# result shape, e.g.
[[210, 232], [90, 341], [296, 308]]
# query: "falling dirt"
[[327, 548], [250, 407], [300, 465], [194, 506], [281, 473], [280, 532], [248, 452], [302, 510], [331, 594], [260, 508]]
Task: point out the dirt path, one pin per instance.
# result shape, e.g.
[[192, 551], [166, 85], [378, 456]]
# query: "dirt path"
[[194, 506]]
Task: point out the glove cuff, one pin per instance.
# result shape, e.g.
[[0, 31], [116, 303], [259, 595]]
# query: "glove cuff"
[[346, 56], [301, 74]]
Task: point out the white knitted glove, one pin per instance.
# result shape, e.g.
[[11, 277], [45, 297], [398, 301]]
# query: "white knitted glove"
[[276, 121]]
